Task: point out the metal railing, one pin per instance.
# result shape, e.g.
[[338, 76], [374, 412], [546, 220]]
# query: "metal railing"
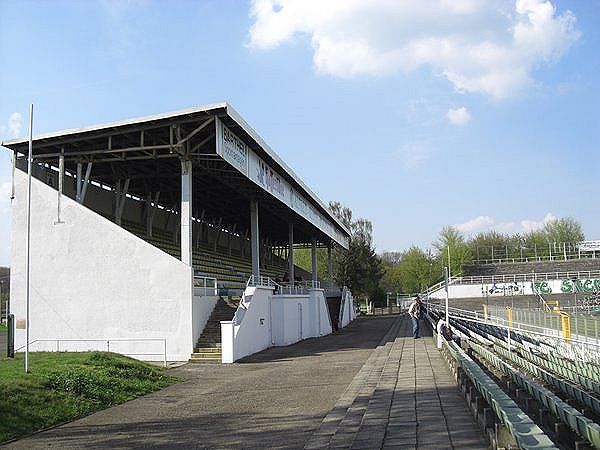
[[522, 328], [108, 343], [520, 278], [555, 251], [206, 285]]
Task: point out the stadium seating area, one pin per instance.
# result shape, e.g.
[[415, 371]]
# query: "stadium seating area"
[[231, 269], [560, 395]]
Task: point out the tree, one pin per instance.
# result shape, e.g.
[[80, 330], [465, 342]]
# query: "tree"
[[460, 253], [564, 230], [358, 267], [415, 270]]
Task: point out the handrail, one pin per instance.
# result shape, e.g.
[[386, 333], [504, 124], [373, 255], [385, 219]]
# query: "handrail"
[[108, 341], [205, 284]]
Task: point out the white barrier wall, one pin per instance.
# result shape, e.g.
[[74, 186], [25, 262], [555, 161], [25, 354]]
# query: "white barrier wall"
[[91, 279], [347, 305], [264, 320], [202, 308], [520, 288]]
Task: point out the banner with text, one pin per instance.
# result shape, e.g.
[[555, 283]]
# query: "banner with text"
[[233, 150]]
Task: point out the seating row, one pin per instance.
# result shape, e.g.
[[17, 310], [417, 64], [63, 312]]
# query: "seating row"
[[583, 426], [526, 433]]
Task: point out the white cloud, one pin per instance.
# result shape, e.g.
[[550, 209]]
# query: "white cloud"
[[476, 224], [486, 223], [485, 46], [459, 116], [414, 153], [13, 126]]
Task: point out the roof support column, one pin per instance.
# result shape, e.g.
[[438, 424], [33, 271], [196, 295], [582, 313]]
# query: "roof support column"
[[254, 238], [185, 213], [61, 179], [330, 262], [291, 253], [314, 258]]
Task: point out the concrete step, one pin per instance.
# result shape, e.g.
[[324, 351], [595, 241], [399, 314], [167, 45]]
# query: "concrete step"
[[207, 350], [206, 357]]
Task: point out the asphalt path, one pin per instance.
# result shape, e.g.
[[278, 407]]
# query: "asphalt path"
[[274, 399]]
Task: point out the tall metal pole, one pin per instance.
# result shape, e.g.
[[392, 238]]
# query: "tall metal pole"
[[446, 276], [448, 261], [28, 244]]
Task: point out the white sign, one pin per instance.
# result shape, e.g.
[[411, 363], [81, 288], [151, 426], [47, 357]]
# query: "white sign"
[[268, 179], [233, 150], [589, 246]]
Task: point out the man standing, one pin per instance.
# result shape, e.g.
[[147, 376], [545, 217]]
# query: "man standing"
[[414, 311]]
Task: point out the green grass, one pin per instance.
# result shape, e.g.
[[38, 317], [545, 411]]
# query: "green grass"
[[63, 386], [3, 328]]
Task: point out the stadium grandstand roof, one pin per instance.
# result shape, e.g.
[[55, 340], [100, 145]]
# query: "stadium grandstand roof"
[[146, 151]]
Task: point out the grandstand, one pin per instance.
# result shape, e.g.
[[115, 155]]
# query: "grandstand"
[[527, 389], [139, 228]]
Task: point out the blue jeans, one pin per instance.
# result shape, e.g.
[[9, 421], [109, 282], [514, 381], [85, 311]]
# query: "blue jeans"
[[415, 322]]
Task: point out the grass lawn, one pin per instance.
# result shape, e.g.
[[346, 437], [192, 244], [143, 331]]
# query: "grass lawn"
[[3, 328], [63, 386]]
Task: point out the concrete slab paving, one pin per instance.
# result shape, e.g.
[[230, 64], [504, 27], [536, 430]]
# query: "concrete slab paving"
[[407, 399]]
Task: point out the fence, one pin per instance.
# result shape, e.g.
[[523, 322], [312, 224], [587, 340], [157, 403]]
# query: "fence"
[[520, 278], [587, 328], [555, 251], [205, 285]]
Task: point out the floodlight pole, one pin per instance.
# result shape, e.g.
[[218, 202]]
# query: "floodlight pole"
[[446, 270], [28, 245]]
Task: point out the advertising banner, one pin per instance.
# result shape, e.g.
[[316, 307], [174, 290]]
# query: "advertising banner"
[[233, 150]]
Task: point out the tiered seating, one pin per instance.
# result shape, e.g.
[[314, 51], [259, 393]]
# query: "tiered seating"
[[231, 270], [570, 379]]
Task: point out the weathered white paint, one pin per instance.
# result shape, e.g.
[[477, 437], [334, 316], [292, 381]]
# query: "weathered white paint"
[[264, 320], [92, 279]]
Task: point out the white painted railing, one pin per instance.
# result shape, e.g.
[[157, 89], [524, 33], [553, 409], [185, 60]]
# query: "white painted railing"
[[522, 277], [108, 343], [205, 285]]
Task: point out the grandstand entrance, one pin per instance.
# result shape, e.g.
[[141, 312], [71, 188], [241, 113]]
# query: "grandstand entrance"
[[199, 185]]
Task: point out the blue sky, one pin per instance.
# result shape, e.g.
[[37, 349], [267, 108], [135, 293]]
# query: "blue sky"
[[415, 114]]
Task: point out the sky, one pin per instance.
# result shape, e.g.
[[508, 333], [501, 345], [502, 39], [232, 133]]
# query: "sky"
[[416, 114]]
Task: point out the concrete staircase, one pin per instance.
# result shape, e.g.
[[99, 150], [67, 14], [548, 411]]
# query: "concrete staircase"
[[208, 347]]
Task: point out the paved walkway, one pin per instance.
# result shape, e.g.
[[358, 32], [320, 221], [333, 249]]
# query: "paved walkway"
[[403, 397], [373, 386]]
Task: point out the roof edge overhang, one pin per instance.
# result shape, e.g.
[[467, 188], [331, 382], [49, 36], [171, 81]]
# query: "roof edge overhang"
[[219, 108]]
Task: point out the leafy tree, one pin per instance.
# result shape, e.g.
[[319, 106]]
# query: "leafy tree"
[[415, 270], [460, 252], [564, 230], [358, 267]]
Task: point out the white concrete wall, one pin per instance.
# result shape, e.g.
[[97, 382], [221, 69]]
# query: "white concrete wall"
[[91, 279], [264, 320], [202, 308], [347, 304]]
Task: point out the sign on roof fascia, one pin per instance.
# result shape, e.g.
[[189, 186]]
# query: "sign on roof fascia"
[[233, 150]]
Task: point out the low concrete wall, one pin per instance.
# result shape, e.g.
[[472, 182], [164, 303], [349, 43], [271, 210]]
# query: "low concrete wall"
[[202, 308], [91, 279], [264, 320]]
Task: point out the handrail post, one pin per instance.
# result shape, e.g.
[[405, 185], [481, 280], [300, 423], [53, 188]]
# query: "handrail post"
[[108, 345], [165, 352]]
